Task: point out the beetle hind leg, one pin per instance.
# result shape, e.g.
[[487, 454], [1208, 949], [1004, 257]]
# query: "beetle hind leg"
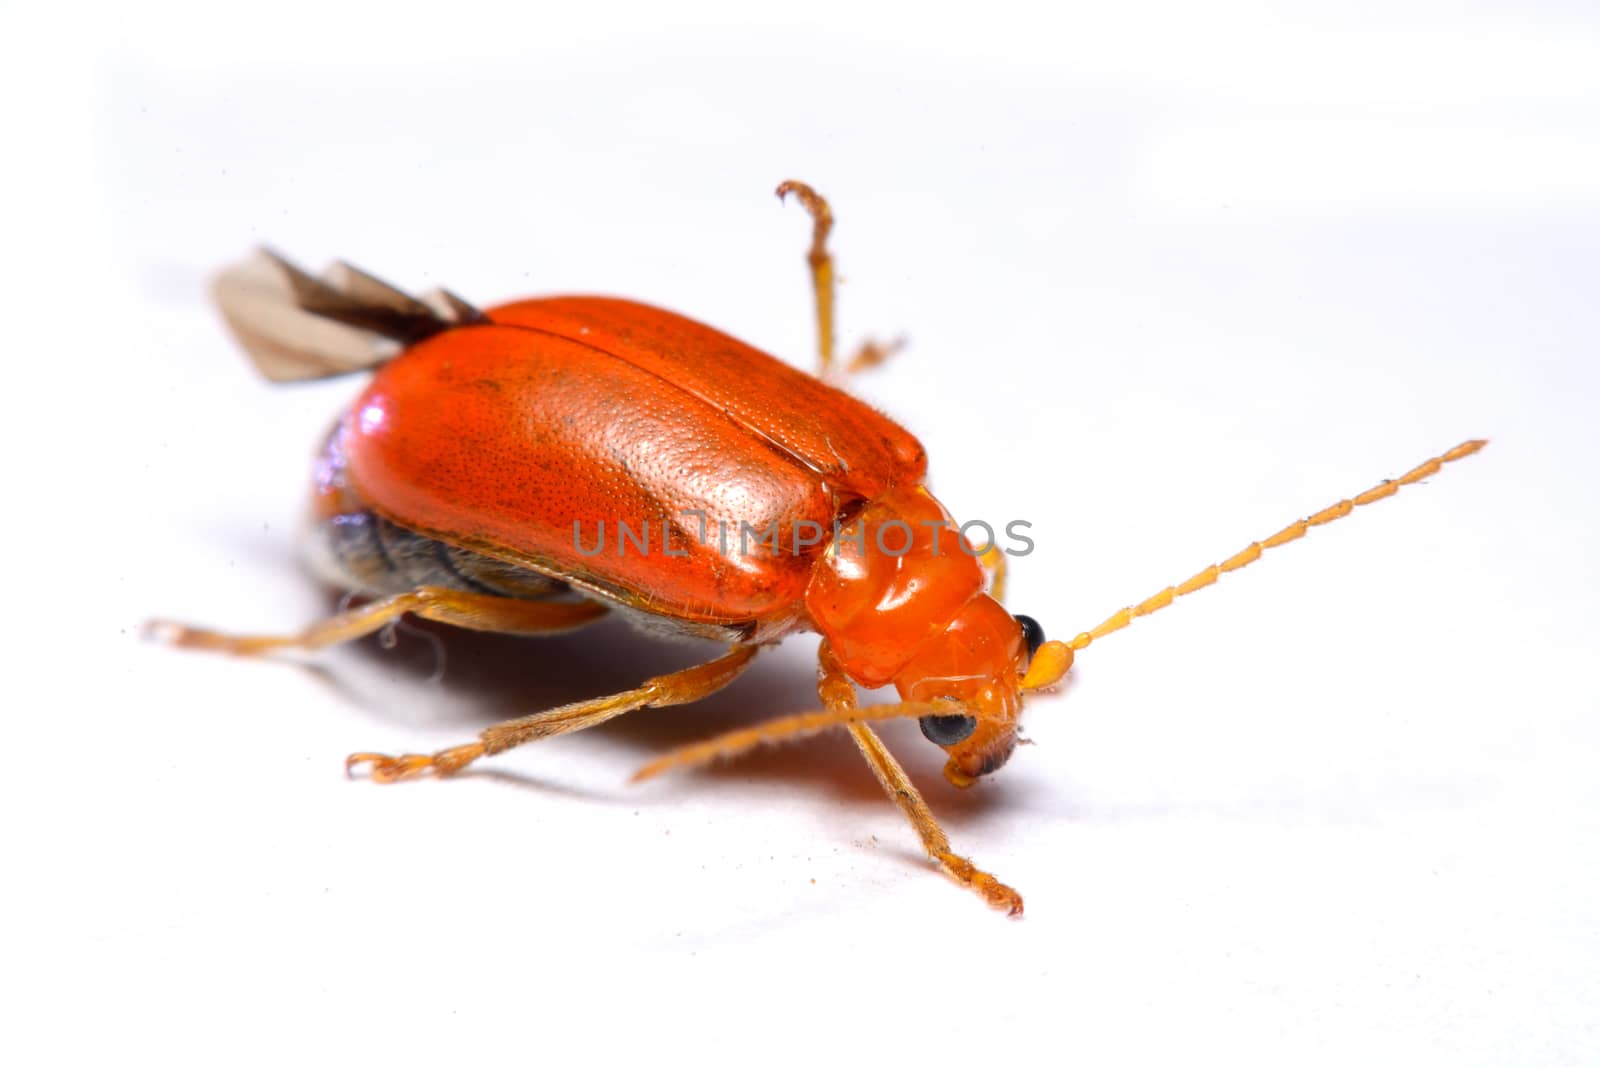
[[471, 611]]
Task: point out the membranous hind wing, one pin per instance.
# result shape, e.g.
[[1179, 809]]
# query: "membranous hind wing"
[[297, 327]]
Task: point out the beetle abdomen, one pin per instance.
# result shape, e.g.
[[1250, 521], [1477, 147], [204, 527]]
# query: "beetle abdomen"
[[355, 548], [365, 553]]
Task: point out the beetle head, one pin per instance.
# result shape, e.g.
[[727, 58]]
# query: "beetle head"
[[975, 666]]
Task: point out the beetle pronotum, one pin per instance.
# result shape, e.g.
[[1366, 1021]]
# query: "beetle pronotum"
[[455, 486]]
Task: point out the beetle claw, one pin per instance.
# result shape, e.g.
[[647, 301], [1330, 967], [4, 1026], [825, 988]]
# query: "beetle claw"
[[1004, 898], [997, 894]]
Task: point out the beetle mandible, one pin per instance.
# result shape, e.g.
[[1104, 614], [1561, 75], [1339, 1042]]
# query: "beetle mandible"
[[461, 484]]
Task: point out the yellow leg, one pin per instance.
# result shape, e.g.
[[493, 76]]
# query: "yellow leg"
[[472, 611], [869, 354], [680, 687], [993, 559], [821, 263], [896, 783], [823, 286], [841, 709], [834, 687], [736, 743]]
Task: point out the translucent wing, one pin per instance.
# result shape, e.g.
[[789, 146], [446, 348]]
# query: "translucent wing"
[[296, 327]]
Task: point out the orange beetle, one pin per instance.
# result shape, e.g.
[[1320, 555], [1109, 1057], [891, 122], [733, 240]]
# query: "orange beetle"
[[490, 446]]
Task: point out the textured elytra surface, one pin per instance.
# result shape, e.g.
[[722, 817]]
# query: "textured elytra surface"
[[536, 442]]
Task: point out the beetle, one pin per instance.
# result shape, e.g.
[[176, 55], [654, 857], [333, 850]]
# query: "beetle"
[[459, 485]]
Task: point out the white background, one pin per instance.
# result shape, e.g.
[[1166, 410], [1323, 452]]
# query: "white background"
[[1173, 275]]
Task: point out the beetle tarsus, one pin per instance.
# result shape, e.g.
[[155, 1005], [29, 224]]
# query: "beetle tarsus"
[[386, 769], [181, 635], [872, 353], [999, 895]]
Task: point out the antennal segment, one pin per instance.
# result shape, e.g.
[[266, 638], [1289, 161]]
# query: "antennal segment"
[[1052, 662]]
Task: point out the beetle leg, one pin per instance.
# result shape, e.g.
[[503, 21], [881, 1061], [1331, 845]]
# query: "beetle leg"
[[837, 693], [842, 709], [735, 743], [869, 353], [680, 687], [993, 560], [898, 785], [471, 611], [821, 263]]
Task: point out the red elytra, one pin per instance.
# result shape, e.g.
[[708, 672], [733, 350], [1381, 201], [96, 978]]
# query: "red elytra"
[[478, 476], [571, 418]]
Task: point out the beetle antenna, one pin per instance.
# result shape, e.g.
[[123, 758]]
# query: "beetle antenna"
[[1054, 658]]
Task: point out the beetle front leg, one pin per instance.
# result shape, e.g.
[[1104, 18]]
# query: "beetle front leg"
[[680, 687], [837, 692], [841, 709]]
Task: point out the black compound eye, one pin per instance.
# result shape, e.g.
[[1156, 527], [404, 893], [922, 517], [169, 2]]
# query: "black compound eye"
[[1032, 633], [947, 729]]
